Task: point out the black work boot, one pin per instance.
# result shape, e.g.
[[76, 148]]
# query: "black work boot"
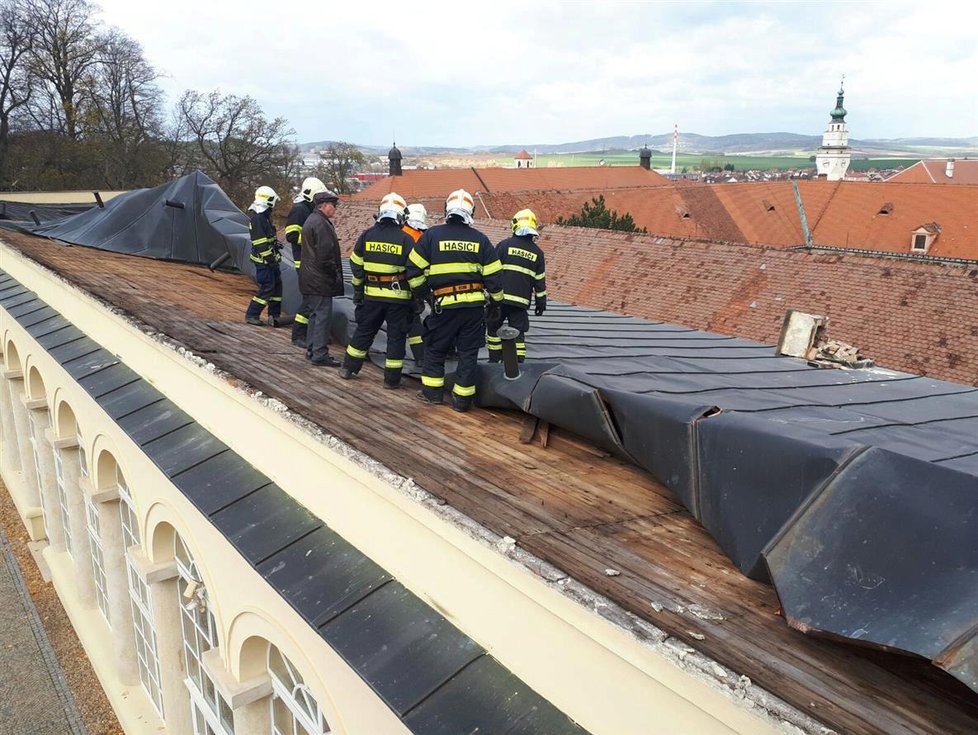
[[461, 403], [431, 395], [392, 378], [254, 320], [274, 321], [299, 334], [351, 366]]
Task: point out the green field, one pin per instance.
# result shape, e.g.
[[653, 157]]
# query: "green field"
[[697, 162]]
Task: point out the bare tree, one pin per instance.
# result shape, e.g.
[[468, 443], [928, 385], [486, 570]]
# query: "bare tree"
[[337, 164], [235, 144], [124, 113], [66, 47], [15, 77]]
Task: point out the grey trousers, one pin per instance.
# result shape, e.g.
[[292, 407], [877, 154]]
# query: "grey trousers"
[[320, 319]]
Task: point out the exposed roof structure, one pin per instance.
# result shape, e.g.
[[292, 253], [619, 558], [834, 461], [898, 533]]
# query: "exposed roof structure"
[[434, 677], [573, 508]]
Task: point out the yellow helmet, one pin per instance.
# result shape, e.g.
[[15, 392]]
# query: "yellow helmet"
[[392, 207], [525, 223]]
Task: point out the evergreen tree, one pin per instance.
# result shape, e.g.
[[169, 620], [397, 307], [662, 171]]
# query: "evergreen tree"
[[595, 214]]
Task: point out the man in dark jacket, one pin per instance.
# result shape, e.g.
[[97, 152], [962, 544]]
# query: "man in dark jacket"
[[381, 292], [456, 264], [524, 275], [266, 255], [320, 275], [301, 209]]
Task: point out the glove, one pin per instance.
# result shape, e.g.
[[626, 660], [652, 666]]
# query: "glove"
[[357, 296], [418, 302], [494, 313], [540, 306]]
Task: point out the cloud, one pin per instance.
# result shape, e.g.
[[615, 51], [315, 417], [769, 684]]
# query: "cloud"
[[451, 74]]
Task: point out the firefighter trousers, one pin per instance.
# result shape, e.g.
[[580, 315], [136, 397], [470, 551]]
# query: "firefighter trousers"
[[370, 316], [465, 330], [517, 318], [269, 294]]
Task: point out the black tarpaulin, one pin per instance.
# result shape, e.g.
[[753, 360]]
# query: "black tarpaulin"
[[189, 220], [762, 448]]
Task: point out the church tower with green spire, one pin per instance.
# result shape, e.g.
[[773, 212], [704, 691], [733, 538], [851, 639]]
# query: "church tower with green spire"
[[834, 156]]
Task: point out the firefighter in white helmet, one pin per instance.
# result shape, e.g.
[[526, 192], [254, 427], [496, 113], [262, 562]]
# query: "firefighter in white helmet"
[[302, 207], [455, 265], [380, 291], [416, 224], [524, 276], [266, 255]]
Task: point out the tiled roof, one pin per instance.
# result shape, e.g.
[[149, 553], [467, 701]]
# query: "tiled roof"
[[882, 217], [935, 172], [441, 182], [907, 315]]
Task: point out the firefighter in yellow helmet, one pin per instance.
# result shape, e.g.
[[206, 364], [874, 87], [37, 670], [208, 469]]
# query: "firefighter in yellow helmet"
[[266, 255], [380, 291], [524, 277], [456, 265]]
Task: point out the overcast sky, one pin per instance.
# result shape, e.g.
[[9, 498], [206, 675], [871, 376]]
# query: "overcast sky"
[[500, 72]]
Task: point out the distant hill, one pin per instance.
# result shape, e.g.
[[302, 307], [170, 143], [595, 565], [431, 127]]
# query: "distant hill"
[[693, 143]]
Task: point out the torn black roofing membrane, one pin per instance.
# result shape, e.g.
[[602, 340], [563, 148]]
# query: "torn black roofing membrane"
[[189, 220], [433, 676], [854, 492]]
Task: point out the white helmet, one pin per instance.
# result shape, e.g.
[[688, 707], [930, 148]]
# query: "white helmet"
[[392, 207], [417, 216], [310, 187], [265, 198], [460, 202]]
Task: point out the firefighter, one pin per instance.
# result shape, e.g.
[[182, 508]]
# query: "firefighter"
[[416, 224], [301, 208], [380, 291], [454, 265], [266, 255], [524, 275]]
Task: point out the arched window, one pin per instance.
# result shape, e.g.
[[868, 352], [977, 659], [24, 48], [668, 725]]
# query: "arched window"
[[294, 710], [211, 712], [140, 600], [98, 557]]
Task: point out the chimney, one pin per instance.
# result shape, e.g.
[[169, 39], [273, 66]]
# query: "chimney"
[[949, 171], [394, 159], [645, 158]]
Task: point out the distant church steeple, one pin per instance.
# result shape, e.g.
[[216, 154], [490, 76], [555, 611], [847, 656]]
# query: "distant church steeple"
[[834, 156], [394, 161]]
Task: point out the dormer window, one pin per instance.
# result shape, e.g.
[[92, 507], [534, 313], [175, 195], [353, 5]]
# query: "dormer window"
[[768, 206], [886, 208], [923, 237]]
